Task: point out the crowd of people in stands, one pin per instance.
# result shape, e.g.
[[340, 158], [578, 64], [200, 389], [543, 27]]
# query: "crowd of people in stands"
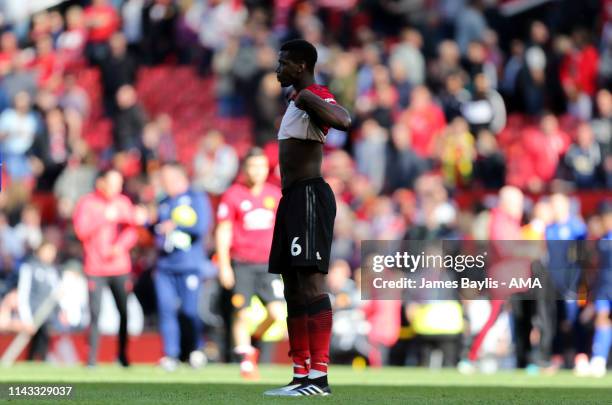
[[447, 97]]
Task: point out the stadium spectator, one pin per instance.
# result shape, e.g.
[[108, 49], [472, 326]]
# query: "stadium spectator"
[[266, 109], [215, 164], [425, 121], [104, 222], [20, 78], [74, 97], [470, 24], [158, 29], [101, 20], [408, 54], [457, 153], [403, 165], [370, 153], [128, 122], [158, 143], [76, 180], [47, 64], [536, 159], [11, 252], [51, 149], [28, 233], [71, 42], [490, 164], [118, 69], [578, 74], [132, 19], [584, 158], [436, 215], [447, 62], [486, 109], [18, 129], [454, 96], [602, 128], [218, 22], [224, 64]]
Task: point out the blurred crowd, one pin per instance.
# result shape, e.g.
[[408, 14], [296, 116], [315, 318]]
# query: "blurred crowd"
[[445, 95]]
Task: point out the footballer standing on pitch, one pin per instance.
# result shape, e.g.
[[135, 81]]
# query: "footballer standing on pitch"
[[183, 219], [244, 234], [304, 224]]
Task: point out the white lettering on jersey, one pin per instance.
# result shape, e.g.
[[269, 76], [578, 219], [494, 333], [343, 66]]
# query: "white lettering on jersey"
[[222, 211], [258, 219], [246, 205]]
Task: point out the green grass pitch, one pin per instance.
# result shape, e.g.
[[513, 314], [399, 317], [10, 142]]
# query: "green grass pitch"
[[220, 384]]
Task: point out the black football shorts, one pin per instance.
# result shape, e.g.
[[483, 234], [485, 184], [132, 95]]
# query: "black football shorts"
[[254, 279], [304, 228]]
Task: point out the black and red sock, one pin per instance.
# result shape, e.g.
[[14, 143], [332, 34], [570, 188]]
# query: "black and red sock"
[[297, 326], [319, 336]]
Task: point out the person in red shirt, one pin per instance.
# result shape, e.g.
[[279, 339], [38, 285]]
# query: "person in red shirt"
[[47, 63], [102, 20], [533, 162], [244, 235], [425, 121], [104, 221], [578, 75], [8, 50], [504, 226]]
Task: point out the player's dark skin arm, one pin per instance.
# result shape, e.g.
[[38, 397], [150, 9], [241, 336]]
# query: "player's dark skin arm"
[[322, 112]]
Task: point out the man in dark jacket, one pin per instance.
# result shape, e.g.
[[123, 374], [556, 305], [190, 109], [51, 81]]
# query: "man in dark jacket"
[[184, 217]]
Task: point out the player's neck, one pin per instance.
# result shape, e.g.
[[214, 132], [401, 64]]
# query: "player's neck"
[[305, 82]]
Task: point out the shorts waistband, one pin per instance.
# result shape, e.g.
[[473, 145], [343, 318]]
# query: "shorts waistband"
[[302, 183]]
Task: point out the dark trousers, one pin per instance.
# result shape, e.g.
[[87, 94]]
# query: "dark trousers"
[[178, 293], [120, 287], [535, 309], [448, 345], [40, 343]]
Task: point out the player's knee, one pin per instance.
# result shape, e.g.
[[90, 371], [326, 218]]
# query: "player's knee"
[[241, 315], [275, 311], [312, 285]]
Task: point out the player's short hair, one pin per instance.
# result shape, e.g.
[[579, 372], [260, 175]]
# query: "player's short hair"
[[300, 51]]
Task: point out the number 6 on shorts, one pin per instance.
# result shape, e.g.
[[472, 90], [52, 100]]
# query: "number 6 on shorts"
[[296, 249]]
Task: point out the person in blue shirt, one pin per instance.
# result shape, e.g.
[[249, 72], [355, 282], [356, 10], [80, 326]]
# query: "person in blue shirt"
[[561, 241], [183, 220], [602, 340], [561, 236]]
